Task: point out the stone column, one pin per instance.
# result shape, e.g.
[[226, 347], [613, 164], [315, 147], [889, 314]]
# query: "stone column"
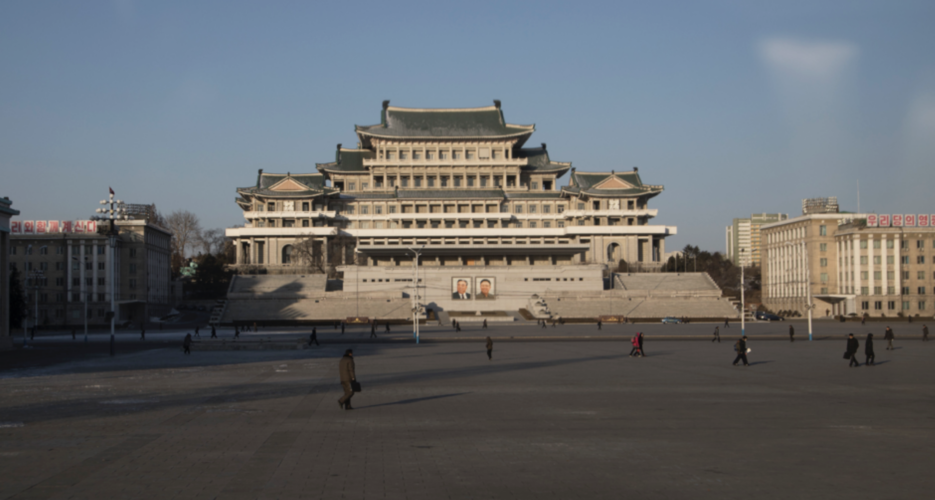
[[842, 254], [68, 266], [858, 283], [884, 266], [897, 276], [870, 265]]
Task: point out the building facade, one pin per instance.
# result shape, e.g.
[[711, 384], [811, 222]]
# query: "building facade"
[[745, 234], [72, 260], [6, 212], [457, 183], [848, 266]]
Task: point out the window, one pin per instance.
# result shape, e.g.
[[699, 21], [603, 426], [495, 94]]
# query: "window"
[[878, 305], [560, 223], [920, 244], [863, 245], [59, 281], [824, 277], [430, 181], [456, 155], [920, 259], [351, 186], [891, 290], [271, 207], [863, 260], [532, 224], [457, 181], [132, 253], [391, 209], [560, 208], [469, 155], [581, 206], [904, 259], [304, 222], [823, 262], [878, 290], [76, 297], [580, 222], [305, 206], [920, 275], [876, 244], [100, 298], [891, 305], [822, 230], [534, 185], [877, 259], [905, 275], [101, 266], [417, 182], [823, 247], [76, 282], [905, 290], [12, 249], [132, 268], [889, 244], [417, 155], [429, 155], [921, 305], [865, 305], [532, 209], [904, 244], [518, 209], [824, 291], [891, 275], [889, 259], [444, 181], [546, 224], [403, 155], [132, 283], [443, 155], [546, 209], [43, 266], [921, 290], [378, 209], [864, 291], [364, 210], [89, 281], [470, 181], [905, 305]]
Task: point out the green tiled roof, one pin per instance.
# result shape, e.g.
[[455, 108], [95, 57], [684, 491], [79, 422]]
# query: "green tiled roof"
[[537, 159], [411, 123], [347, 161], [585, 182], [315, 184]]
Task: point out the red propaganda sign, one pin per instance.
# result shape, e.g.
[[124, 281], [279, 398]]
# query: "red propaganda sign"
[[66, 226], [884, 221], [872, 220], [29, 227], [53, 226], [40, 226], [909, 219], [923, 220], [16, 227], [897, 220]]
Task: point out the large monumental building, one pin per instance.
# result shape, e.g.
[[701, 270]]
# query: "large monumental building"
[[458, 183]]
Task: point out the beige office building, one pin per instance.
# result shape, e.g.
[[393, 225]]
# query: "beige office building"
[[847, 267]]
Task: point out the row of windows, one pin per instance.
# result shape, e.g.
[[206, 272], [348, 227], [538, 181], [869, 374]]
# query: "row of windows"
[[450, 208], [891, 305], [60, 250], [467, 153]]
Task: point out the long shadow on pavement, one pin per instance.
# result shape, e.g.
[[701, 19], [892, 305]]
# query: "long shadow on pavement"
[[414, 400]]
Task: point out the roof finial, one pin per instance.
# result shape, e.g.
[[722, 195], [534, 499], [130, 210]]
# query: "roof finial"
[[543, 146], [260, 172], [386, 104], [496, 103], [613, 172], [636, 169]]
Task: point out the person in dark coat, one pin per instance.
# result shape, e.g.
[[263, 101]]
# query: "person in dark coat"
[[489, 349], [485, 323], [726, 322], [598, 324], [925, 333], [196, 332], [187, 343], [717, 334], [342, 328], [387, 327], [852, 346], [453, 325], [868, 350], [314, 337], [791, 333], [457, 326], [214, 332], [889, 337], [73, 334], [373, 330], [346, 371], [741, 347], [142, 333], [640, 337]]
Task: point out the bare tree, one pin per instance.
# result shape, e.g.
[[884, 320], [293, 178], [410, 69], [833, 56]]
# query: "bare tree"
[[309, 253], [185, 229], [211, 241]]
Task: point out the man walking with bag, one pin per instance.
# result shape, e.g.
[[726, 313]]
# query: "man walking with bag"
[[741, 347], [791, 333], [852, 346], [889, 337], [346, 370]]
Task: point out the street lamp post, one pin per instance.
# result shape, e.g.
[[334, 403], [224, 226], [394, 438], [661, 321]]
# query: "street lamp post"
[[416, 305], [112, 214], [743, 307]]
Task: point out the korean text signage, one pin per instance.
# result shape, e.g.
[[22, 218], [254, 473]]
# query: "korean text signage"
[[52, 226], [897, 220]]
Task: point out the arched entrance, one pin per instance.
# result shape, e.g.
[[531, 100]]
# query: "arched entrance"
[[613, 253], [288, 253]]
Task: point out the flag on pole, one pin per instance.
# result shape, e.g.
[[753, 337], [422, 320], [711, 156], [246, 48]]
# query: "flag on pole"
[[111, 190]]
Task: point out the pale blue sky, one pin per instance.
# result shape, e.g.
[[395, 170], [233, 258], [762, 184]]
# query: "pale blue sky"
[[735, 106]]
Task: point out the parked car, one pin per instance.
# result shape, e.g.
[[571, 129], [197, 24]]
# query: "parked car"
[[671, 319], [765, 316]]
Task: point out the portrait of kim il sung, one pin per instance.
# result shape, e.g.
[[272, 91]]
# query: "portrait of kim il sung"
[[485, 289], [461, 288]]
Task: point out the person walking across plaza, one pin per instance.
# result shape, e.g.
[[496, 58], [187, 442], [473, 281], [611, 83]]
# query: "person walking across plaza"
[[457, 326], [639, 337], [346, 371], [852, 346], [635, 342], [726, 322], [489, 349], [868, 350], [485, 323], [73, 334], [791, 333], [373, 330], [214, 331], [889, 338], [197, 336], [741, 347], [142, 333], [387, 327], [313, 338], [717, 334], [598, 324], [342, 328], [925, 333], [187, 343]]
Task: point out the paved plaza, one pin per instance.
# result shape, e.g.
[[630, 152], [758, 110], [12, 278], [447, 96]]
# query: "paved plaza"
[[438, 420]]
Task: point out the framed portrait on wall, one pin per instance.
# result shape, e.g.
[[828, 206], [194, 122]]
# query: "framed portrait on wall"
[[461, 288], [486, 288]]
